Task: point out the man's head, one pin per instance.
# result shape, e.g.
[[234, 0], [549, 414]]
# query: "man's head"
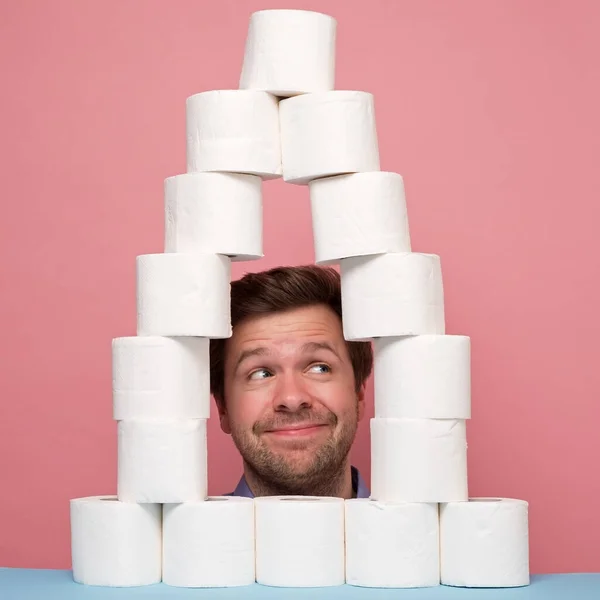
[[288, 387]]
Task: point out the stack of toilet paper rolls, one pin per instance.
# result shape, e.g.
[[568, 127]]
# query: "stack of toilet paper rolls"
[[162, 525], [419, 527], [406, 533]]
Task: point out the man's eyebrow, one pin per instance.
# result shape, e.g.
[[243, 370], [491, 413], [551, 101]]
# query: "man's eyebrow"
[[258, 351], [313, 346]]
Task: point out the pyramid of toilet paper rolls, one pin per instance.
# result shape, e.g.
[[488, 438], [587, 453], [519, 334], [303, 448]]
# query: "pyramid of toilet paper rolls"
[[419, 527]]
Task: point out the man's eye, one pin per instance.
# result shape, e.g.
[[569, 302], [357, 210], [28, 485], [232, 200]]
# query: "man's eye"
[[320, 368], [260, 374]]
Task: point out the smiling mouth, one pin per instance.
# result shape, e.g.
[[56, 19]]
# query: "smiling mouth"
[[297, 430]]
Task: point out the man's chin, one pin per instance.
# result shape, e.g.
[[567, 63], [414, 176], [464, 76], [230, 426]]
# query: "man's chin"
[[298, 458], [296, 454], [296, 471]]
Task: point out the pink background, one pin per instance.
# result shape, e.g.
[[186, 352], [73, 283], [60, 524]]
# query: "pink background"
[[488, 109]]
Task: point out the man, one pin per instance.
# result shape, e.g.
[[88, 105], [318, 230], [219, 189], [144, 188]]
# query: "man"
[[289, 389]]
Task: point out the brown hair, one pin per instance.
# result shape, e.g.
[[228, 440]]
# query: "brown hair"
[[278, 290]]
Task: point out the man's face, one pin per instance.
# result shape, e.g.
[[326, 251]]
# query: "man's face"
[[291, 404]]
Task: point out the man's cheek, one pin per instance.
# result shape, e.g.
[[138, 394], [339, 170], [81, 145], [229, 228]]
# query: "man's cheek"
[[337, 399], [246, 419]]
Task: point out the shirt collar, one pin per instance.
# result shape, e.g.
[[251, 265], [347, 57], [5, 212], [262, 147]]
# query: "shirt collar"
[[358, 485]]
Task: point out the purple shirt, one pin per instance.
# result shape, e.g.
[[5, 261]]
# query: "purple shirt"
[[358, 485]]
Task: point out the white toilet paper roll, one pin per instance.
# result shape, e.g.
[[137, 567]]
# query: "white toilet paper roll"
[[299, 541], [392, 295], [392, 544], [289, 52], [424, 376], [358, 215], [209, 543], [156, 377], [418, 460], [115, 543], [234, 131], [162, 461], [183, 295], [214, 213], [328, 133], [485, 543]]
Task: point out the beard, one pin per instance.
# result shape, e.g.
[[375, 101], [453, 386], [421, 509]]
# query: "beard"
[[298, 468]]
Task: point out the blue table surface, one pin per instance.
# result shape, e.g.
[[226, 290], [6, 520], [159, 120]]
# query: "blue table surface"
[[29, 584]]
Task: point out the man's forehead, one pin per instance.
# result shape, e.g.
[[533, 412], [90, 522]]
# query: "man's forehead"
[[308, 322], [288, 346], [287, 333], [306, 340]]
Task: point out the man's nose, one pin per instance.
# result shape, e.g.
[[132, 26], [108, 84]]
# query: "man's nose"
[[291, 394]]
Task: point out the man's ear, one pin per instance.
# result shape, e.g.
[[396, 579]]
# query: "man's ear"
[[360, 397], [223, 415]]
